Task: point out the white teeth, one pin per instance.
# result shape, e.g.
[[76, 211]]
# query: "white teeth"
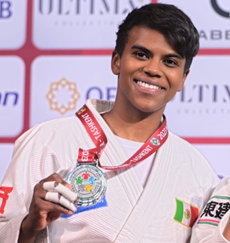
[[151, 86]]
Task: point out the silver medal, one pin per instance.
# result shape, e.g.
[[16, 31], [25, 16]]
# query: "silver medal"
[[89, 182]]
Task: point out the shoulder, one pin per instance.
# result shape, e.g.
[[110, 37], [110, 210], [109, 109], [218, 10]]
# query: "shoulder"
[[187, 153], [184, 148], [47, 130], [223, 187]]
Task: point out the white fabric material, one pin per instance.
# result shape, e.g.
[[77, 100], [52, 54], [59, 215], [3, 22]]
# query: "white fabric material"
[[209, 232], [142, 169], [133, 214]]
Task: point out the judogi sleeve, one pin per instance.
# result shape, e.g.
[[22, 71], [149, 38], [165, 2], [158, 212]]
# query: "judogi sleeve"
[[32, 161], [211, 223]]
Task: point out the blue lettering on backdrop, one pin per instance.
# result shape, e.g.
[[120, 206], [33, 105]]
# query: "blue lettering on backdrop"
[[98, 90], [97, 93], [4, 98], [5, 11], [109, 95]]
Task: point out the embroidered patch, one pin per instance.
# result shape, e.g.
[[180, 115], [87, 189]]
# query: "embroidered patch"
[[215, 209], [4, 195], [186, 214], [102, 203]]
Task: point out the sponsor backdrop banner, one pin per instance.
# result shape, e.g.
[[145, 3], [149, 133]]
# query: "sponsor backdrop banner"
[[63, 89], [79, 22], [55, 54], [12, 24], [11, 95], [211, 18], [202, 109]]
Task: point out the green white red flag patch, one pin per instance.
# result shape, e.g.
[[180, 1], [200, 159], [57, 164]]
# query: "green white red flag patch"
[[186, 214]]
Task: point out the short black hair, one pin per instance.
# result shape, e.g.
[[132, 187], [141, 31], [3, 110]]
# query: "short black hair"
[[172, 22]]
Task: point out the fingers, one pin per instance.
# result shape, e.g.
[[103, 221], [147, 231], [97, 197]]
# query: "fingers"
[[66, 203], [54, 189], [57, 198], [50, 200], [55, 186], [60, 194], [70, 195], [49, 185], [53, 207], [52, 197]]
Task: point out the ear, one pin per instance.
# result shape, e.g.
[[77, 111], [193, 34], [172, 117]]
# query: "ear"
[[115, 63], [181, 85]]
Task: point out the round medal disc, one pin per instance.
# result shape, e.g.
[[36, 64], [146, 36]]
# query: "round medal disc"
[[89, 182]]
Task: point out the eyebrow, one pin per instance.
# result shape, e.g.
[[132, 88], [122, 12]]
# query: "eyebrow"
[[174, 55], [142, 48]]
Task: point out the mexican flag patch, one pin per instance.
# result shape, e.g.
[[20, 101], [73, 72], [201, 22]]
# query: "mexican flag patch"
[[186, 214]]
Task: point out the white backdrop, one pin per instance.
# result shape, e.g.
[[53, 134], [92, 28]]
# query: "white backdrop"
[[54, 54]]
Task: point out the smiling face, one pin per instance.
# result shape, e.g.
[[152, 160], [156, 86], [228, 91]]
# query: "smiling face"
[[150, 71]]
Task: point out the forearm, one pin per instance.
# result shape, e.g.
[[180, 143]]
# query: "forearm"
[[27, 233], [226, 232]]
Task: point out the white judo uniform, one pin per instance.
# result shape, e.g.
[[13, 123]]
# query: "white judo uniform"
[[130, 213], [213, 218]]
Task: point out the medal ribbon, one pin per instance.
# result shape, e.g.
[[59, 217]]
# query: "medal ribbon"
[[155, 141]]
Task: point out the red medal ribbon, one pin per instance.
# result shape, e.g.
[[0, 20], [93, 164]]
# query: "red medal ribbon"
[[97, 135]]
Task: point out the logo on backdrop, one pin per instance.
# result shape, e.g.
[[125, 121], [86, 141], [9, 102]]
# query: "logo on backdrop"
[[63, 96], [212, 32], [224, 13], [85, 10], [205, 96], [5, 9], [89, 19], [63, 7]]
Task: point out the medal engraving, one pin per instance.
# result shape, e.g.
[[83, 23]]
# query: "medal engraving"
[[89, 182]]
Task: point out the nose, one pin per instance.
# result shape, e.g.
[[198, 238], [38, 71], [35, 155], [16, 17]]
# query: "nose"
[[152, 68]]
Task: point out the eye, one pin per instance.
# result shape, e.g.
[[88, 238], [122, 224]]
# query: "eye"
[[140, 55], [171, 62]]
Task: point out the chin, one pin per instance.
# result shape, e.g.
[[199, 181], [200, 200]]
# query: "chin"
[[148, 108]]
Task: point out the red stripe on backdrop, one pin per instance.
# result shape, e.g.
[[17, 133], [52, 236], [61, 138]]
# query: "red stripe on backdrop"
[[208, 140], [194, 215], [206, 51], [28, 52]]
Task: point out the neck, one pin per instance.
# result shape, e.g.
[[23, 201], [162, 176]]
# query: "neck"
[[133, 124]]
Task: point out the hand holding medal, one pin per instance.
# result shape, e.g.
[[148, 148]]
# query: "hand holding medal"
[[52, 197]]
